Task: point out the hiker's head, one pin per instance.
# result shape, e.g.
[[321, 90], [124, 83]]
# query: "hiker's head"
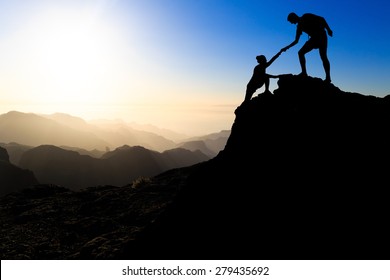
[[293, 18], [261, 59]]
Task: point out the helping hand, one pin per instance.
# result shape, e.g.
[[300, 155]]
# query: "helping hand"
[[284, 49]]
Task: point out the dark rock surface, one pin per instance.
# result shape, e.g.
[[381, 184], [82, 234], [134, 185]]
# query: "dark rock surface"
[[51, 222]]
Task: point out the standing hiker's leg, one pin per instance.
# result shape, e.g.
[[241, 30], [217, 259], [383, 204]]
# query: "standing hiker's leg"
[[301, 54], [325, 63]]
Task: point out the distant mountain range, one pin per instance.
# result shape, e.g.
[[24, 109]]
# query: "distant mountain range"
[[208, 144], [53, 165], [67, 151], [72, 132]]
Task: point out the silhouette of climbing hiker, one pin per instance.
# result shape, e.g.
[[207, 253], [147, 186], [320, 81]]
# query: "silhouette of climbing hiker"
[[315, 27], [260, 77]]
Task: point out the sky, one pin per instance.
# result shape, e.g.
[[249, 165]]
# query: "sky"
[[177, 64]]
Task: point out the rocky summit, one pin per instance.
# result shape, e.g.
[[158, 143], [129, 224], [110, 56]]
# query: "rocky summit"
[[304, 175]]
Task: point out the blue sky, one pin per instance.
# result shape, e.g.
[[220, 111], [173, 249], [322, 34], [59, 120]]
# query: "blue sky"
[[179, 64]]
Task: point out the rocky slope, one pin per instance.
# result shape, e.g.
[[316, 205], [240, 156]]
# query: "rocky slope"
[[47, 222]]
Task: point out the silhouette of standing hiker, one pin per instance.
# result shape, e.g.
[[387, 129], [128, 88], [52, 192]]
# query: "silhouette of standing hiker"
[[315, 27], [260, 77]]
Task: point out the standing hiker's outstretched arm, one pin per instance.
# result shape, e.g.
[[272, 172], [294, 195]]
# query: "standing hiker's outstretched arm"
[[297, 36], [274, 58]]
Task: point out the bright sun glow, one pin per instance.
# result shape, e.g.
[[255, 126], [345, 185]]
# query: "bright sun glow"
[[69, 57], [72, 55]]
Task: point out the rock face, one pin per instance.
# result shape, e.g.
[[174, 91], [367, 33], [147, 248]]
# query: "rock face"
[[304, 174], [13, 178]]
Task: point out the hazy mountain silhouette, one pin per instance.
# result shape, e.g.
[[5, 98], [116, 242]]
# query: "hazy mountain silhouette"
[[198, 146], [122, 134], [166, 133], [61, 129], [304, 175], [53, 165], [13, 178], [65, 130], [116, 133], [180, 157], [210, 144], [95, 153], [216, 141], [33, 130], [69, 121]]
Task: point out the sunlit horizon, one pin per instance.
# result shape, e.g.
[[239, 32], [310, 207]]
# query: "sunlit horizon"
[[194, 121], [179, 65]]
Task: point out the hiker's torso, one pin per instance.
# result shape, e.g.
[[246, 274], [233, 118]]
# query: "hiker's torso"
[[312, 24], [258, 73]]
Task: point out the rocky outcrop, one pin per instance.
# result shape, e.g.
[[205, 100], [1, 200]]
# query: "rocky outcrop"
[[13, 178]]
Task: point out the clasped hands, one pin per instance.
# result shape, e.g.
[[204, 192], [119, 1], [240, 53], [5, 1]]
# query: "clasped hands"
[[284, 49]]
